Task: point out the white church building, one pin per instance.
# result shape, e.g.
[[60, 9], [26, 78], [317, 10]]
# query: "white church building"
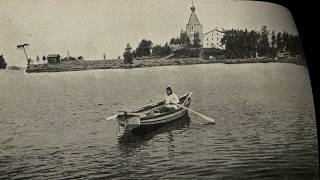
[[194, 27], [211, 39]]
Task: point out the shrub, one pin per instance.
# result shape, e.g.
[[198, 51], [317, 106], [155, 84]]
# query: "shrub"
[[187, 52]]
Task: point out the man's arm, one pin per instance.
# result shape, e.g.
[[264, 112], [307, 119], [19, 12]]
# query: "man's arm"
[[175, 99]]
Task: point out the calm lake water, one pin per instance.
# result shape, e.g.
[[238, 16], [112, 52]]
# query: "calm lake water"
[[52, 125]]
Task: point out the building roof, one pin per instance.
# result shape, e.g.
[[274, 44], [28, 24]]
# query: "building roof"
[[214, 30], [193, 20], [53, 55]]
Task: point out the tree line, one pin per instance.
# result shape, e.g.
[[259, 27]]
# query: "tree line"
[[146, 48], [184, 41], [238, 44], [245, 44]]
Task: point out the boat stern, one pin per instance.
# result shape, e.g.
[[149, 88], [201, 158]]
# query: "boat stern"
[[127, 122]]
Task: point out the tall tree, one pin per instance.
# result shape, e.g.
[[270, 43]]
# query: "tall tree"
[[273, 39], [144, 48], [279, 42], [38, 59], [166, 49], [175, 41], [273, 50], [184, 39], [263, 42], [162, 50], [127, 55], [253, 41], [196, 40], [285, 38], [44, 58], [157, 50]]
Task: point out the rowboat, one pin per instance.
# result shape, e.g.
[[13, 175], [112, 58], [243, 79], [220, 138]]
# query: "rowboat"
[[148, 118]]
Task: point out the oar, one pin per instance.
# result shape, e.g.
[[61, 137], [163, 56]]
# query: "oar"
[[186, 98], [109, 118], [199, 114]]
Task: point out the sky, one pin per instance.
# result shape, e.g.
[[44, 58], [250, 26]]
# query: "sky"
[[96, 27]]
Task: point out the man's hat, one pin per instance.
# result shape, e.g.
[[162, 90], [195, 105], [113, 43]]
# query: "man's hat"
[[168, 88]]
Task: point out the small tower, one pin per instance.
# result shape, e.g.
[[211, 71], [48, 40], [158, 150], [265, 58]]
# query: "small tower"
[[194, 27]]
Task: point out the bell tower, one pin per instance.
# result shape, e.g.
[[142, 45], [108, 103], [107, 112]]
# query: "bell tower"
[[194, 28]]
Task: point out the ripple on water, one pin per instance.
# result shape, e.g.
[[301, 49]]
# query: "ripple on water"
[[265, 124]]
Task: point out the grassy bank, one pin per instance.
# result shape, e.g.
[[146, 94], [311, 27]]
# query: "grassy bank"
[[118, 64]]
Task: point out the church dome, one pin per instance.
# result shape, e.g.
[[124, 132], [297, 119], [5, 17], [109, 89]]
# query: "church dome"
[[193, 8]]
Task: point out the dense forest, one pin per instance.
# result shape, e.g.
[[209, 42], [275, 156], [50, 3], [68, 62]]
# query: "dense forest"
[[245, 44], [146, 47], [238, 44]]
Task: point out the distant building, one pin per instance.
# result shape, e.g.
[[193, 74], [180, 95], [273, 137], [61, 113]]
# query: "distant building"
[[53, 58], [212, 39], [194, 27]]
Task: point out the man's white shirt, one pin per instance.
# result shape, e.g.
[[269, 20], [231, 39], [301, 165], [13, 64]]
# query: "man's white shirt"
[[172, 98]]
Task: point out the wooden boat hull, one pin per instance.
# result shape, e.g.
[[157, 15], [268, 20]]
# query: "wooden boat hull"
[[146, 127], [142, 121]]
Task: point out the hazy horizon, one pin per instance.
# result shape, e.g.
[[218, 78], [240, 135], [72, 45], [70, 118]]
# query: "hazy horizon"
[[92, 28]]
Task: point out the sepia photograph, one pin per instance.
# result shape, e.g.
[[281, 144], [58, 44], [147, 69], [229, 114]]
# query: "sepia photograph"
[[154, 89]]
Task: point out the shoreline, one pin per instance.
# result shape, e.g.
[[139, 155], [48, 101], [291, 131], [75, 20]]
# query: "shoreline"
[[118, 64]]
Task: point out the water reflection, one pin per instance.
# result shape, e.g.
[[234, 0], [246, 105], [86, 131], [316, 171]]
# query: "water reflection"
[[129, 142]]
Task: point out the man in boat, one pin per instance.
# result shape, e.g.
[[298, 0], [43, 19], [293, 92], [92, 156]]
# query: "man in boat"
[[170, 100]]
